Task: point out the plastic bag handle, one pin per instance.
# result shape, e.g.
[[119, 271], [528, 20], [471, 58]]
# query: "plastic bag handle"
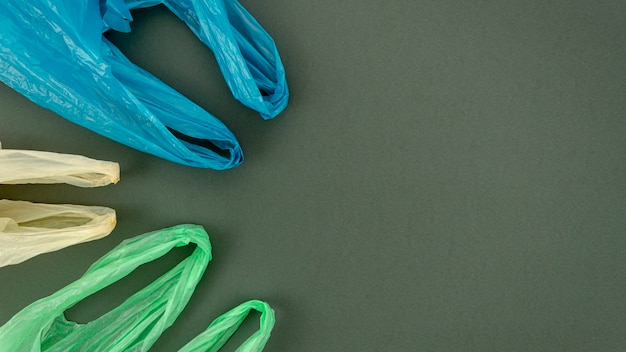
[[165, 109], [222, 328], [29, 229], [32, 166], [138, 322], [245, 52], [129, 326], [113, 97]]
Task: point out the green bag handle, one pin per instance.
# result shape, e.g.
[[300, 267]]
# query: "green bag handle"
[[137, 323], [222, 328]]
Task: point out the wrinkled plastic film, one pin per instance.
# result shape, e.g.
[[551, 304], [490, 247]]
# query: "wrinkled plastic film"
[[222, 328], [29, 229], [138, 322], [29, 166], [67, 66], [133, 325], [245, 52]]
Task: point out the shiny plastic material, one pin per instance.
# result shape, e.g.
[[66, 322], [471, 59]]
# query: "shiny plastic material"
[[53, 52], [138, 322], [31, 166], [29, 229]]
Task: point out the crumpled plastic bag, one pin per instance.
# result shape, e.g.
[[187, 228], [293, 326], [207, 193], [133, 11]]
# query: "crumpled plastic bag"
[[137, 323], [29, 229], [32, 166], [54, 53]]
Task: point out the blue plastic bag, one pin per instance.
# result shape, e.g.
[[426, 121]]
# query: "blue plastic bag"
[[54, 53]]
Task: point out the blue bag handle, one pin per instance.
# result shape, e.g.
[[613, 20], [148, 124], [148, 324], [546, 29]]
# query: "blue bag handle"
[[245, 52], [53, 52]]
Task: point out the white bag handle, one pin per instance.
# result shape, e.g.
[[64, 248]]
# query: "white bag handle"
[[29, 229], [29, 166]]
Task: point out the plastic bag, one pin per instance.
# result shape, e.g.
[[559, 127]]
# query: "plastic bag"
[[138, 322], [30, 166], [53, 52], [29, 229]]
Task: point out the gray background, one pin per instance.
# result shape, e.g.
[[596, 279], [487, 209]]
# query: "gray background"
[[448, 176]]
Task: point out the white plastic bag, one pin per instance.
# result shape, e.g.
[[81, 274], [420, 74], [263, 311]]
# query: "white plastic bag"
[[29, 229], [28, 166]]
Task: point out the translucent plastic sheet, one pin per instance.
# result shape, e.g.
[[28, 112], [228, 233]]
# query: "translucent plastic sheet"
[[30, 166], [137, 323], [29, 229], [54, 53]]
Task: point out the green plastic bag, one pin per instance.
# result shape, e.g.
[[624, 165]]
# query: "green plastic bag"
[[137, 323]]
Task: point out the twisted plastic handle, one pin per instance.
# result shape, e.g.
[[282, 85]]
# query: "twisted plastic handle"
[[29, 229], [222, 328], [31, 166], [138, 322]]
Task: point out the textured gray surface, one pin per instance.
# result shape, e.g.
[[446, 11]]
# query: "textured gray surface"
[[447, 177]]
